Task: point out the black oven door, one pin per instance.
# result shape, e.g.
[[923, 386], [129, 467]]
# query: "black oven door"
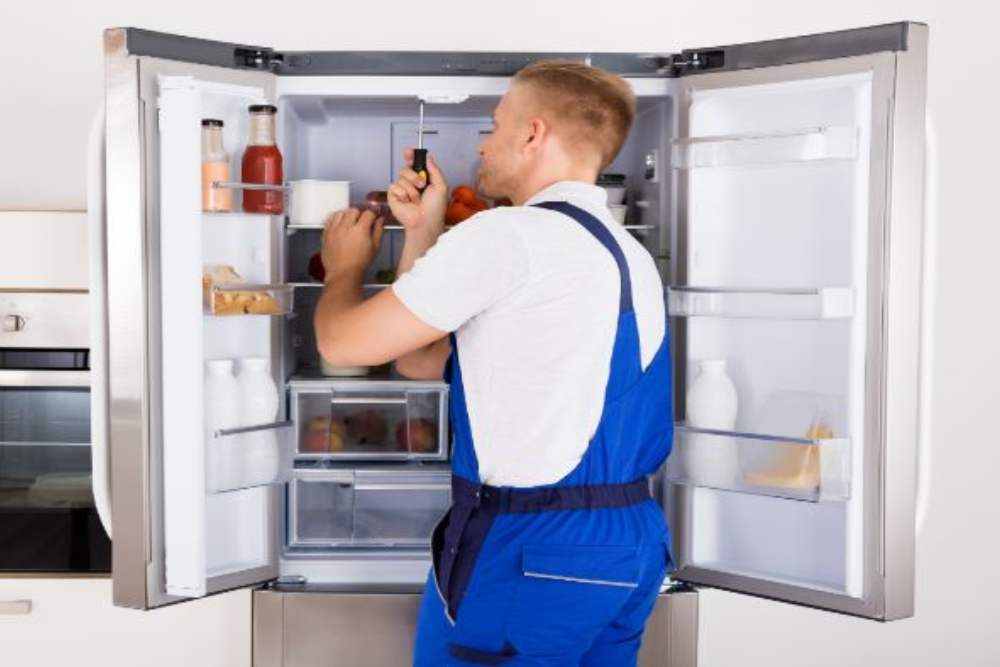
[[48, 522]]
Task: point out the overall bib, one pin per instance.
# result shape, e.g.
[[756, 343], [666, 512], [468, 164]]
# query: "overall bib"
[[567, 573]]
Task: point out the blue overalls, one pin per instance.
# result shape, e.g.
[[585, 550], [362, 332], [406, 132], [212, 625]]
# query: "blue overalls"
[[562, 574]]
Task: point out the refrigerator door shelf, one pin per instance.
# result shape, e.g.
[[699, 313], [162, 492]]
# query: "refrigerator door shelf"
[[259, 187], [356, 421], [806, 304], [243, 458], [270, 300], [811, 469], [762, 148], [365, 508]]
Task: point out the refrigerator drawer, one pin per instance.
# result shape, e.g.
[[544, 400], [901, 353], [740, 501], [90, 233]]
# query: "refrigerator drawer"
[[365, 508], [372, 421], [810, 469]]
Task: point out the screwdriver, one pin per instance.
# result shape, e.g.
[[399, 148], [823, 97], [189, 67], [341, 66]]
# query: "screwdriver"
[[420, 153]]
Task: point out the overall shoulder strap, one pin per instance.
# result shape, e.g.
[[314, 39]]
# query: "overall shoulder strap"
[[601, 233]]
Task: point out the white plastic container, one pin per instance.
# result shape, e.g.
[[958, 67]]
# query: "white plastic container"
[[222, 411], [342, 371], [259, 402], [616, 194], [712, 403], [312, 202], [618, 212]]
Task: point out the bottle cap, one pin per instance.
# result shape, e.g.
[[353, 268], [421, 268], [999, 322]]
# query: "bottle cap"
[[263, 108], [253, 363], [220, 366], [211, 122], [712, 364]]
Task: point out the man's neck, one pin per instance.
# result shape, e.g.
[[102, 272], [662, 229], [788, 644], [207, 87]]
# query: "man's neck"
[[532, 187]]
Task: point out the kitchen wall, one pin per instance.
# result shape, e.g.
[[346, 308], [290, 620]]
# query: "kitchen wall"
[[52, 85]]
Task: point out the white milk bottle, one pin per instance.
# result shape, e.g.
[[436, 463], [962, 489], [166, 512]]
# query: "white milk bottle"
[[222, 411], [712, 403], [259, 404]]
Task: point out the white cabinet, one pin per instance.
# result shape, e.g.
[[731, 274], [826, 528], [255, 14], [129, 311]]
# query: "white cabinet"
[[73, 622]]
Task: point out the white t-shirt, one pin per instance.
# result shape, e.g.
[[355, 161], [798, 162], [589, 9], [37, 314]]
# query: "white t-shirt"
[[533, 299]]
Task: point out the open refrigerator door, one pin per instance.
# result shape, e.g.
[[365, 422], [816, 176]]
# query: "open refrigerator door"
[[221, 304], [794, 283], [195, 493]]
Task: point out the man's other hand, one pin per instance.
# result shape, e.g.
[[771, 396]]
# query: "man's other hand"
[[351, 241]]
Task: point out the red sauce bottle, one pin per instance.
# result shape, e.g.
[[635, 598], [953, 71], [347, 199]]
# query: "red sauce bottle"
[[262, 163]]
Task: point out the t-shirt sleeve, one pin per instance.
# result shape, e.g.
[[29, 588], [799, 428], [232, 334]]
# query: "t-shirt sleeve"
[[470, 268]]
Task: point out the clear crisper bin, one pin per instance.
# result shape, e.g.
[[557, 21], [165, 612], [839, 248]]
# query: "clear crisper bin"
[[811, 469], [242, 458], [388, 421], [366, 508]]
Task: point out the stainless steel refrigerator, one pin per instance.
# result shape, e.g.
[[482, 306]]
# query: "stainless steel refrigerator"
[[780, 187]]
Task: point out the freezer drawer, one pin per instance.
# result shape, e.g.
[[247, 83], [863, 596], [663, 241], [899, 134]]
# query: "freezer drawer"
[[306, 629], [365, 508], [363, 421]]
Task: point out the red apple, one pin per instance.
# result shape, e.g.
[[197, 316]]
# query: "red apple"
[[418, 435], [316, 268], [366, 428], [316, 442]]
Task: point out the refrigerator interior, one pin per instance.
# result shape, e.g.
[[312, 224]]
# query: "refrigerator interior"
[[775, 259], [331, 509]]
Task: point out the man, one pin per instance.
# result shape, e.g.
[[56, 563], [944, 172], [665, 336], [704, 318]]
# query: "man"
[[553, 552]]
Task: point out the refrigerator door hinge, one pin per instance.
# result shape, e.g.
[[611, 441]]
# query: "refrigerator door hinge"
[[260, 58], [693, 62]]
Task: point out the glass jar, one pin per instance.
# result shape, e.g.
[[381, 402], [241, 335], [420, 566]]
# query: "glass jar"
[[262, 163], [214, 168]]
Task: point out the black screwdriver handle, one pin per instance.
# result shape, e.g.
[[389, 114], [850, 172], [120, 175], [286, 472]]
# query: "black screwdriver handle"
[[420, 165]]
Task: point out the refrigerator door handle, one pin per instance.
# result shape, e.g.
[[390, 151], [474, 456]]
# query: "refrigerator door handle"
[[98, 322], [925, 425]]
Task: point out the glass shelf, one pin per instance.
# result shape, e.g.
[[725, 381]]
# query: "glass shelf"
[[389, 228], [788, 304], [270, 300], [810, 469], [243, 458], [316, 285], [759, 148]]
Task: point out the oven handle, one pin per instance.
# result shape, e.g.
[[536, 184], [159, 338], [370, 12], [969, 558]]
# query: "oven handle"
[[44, 379], [99, 425]]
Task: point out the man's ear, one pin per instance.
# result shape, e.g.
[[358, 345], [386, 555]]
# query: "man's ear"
[[538, 131]]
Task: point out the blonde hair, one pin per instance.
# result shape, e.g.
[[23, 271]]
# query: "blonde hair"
[[588, 106]]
